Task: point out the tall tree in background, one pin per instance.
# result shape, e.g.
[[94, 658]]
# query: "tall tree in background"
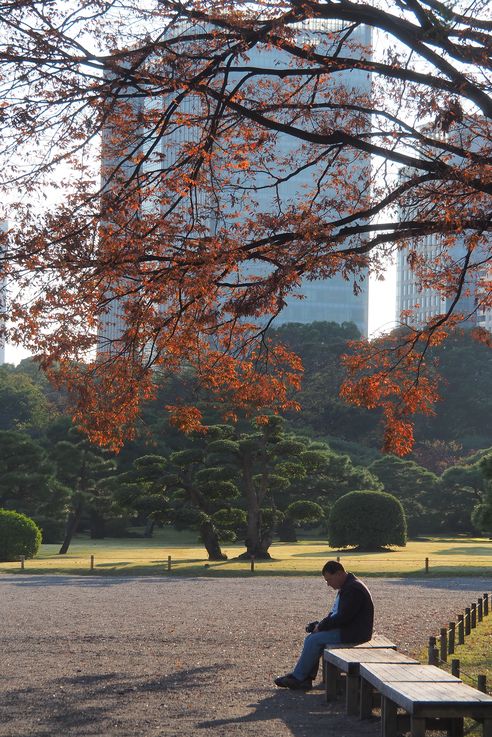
[[28, 483], [482, 516], [83, 468], [142, 246]]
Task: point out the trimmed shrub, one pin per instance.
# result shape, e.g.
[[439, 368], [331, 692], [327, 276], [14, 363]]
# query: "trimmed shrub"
[[19, 535], [368, 519]]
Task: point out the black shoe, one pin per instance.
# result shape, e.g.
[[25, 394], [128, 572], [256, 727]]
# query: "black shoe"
[[289, 681]]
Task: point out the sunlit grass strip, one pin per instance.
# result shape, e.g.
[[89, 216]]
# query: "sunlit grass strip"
[[447, 556]]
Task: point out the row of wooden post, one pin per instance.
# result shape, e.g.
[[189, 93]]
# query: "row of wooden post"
[[23, 560], [455, 634], [169, 562]]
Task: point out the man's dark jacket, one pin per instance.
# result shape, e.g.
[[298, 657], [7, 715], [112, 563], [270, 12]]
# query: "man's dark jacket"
[[355, 614]]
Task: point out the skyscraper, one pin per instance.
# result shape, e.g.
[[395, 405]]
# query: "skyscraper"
[[322, 298], [441, 259], [3, 298]]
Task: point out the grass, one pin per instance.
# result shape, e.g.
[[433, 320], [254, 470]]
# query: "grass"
[[447, 557], [475, 657]]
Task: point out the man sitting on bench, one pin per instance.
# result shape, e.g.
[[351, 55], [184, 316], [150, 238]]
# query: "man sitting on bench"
[[350, 621]]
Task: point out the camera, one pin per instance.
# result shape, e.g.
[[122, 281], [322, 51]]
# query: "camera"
[[310, 627]]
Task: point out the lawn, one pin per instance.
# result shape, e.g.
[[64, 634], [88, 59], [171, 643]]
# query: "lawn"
[[475, 657], [447, 557]]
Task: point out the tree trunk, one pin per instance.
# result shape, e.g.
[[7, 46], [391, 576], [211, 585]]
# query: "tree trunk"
[[210, 539], [71, 528], [149, 527]]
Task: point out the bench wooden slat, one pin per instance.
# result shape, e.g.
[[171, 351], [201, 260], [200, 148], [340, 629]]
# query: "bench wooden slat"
[[378, 641], [379, 673], [438, 699], [348, 659]]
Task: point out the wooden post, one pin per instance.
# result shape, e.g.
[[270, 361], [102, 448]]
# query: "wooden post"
[[485, 605], [252, 564], [455, 667], [338, 559], [168, 562], [22, 561], [444, 644], [92, 562], [432, 651], [473, 619], [480, 609], [461, 629], [451, 638], [482, 684], [427, 565], [467, 620]]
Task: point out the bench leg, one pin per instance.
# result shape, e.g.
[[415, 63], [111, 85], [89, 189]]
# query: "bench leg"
[[388, 718], [352, 701], [365, 699], [417, 726], [487, 728], [456, 728], [331, 678]]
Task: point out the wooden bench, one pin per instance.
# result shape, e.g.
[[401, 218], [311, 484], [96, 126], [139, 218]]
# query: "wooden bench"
[[377, 641], [436, 705], [374, 676], [348, 661]]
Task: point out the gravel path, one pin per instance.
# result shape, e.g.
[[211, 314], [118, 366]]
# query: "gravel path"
[[191, 657]]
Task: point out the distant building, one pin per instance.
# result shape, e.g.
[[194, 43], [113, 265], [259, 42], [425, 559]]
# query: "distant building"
[[424, 302], [3, 300], [331, 299]]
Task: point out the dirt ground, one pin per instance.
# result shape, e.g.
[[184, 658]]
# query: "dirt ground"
[[162, 657]]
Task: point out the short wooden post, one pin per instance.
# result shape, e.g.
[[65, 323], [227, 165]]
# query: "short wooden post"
[[427, 565], [451, 638], [389, 716], [366, 696], [467, 620], [22, 561], [168, 562], [482, 683], [338, 559], [444, 644], [473, 619], [461, 629], [480, 609], [455, 667], [432, 651], [252, 564], [92, 562], [485, 605]]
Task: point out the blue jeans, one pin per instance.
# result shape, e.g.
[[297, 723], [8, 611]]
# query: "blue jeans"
[[314, 644]]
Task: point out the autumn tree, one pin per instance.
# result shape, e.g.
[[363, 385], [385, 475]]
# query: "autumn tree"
[[172, 260]]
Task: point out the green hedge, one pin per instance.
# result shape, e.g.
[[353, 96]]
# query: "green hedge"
[[367, 519], [19, 535]]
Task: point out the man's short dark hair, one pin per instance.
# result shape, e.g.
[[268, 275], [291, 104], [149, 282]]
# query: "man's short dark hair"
[[332, 566]]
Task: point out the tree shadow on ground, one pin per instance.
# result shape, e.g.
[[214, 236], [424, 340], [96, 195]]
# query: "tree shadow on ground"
[[91, 705], [455, 582], [87, 580], [304, 714], [465, 551]]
